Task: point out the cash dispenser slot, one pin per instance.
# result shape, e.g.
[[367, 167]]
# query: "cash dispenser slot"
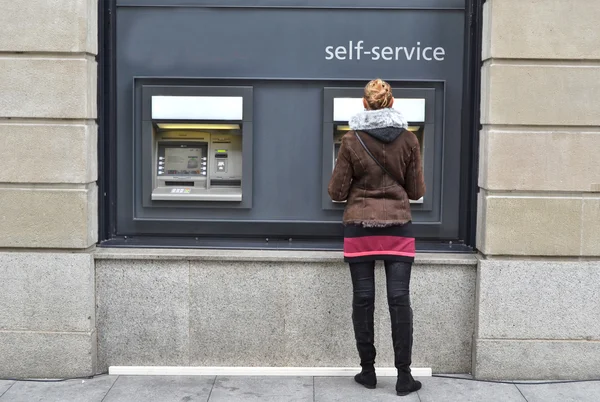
[[197, 157], [413, 110]]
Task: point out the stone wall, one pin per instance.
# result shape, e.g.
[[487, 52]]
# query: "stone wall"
[[48, 195], [536, 303], [539, 201], [270, 309]]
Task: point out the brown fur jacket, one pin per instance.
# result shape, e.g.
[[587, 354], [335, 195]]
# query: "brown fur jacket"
[[373, 198]]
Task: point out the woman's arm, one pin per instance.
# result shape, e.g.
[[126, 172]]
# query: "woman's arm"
[[341, 178], [414, 178]]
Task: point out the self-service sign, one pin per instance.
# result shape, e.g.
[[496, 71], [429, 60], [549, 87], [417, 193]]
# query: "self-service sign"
[[293, 43]]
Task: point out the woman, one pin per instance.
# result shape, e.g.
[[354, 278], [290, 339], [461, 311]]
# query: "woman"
[[378, 170]]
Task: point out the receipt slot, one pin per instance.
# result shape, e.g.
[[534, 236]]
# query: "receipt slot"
[[342, 103], [198, 148]]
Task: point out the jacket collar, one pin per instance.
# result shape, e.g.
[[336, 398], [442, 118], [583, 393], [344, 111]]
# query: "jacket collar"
[[374, 119]]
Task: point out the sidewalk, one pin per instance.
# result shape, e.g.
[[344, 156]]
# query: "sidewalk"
[[285, 389]]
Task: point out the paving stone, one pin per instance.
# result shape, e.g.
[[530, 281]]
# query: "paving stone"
[[161, 388], [460, 390], [262, 389], [344, 389], [566, 392], [4, 386], [92, 390]]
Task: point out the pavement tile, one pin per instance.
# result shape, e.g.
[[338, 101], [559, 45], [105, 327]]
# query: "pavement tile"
[[262, 389], [4, 386], [457, 390], [570, 392], [92, 390], [161, 388], [344, 389]]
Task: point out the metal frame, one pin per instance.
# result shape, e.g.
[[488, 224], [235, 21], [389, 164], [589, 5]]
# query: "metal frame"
[[298, 4], [107, 146], [144, 89]]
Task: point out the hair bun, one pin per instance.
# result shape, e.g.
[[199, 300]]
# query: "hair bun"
[[378, 94]]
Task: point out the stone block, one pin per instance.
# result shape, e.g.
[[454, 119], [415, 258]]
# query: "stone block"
[[48, 217], [68, 150], [49, 26], [47, 87], [539, 160], [47, 292], [523, 299], [541, 29], [530, 225], [47, 354], [540, 94], [237, 314], [536, 359], [142, 313], [591, 226], [443, 302], [444, 315], [318, 315]]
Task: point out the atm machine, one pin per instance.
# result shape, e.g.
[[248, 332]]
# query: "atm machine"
[[344, 108], [197, 148]]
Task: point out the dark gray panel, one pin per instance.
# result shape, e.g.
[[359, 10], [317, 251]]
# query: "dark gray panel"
[[436, 4], [281, 54]]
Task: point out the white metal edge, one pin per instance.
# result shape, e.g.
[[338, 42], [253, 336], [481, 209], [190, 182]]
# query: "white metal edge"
[[413, 109], [258, 371], [197, 107]]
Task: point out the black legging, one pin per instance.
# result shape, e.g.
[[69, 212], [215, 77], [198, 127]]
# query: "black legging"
[[363, 307]]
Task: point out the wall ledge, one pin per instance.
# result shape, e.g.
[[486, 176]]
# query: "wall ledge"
[[263, 255]]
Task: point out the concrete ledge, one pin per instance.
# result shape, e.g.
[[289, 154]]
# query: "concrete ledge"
[[47, 354], [257, 371], [536, 360], [262, 255]]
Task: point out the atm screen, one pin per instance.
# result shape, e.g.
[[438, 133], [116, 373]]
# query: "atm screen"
[[183, 161]]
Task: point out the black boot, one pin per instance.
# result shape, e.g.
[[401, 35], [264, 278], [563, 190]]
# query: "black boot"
[[406, 383], [366, 378], [364, 332], [402, 336]]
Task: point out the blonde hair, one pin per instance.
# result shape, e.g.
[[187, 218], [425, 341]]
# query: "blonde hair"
[[378, 94]]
